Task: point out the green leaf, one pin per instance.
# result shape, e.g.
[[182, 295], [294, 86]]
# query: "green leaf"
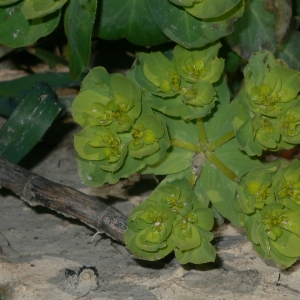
[[92, 175], [266, 131], [286, 185], [12, 88], [200, 64], [48, 57], [205, 218], [39, 8], [220, 123], [199, 94], [289, 123], [97, 142], [174, 195], [83, 104], [255, 190], [174, 160], [176, 107], [183, 240], [12, 91], [149, 228], [131, 19], [97, 80], [281, 260], [289, 49], [183, 2], [149, 240], [178, 128], [255, 30], [236, 160], [162, 73], [258, 67], [243, 128], [125, 91], [78, 22], [186, 30], [220, 190], [136, 73], [113, 102], [29, 122], [7, 2], [147, 255], [15, 31], [151, 151], [200, 255], [211, 8], [293, 224]]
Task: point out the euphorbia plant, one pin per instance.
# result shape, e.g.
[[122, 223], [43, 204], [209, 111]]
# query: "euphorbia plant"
[[185, 125], [177, 113]]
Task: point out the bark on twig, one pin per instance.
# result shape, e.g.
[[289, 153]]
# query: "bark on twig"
[[36, 190]]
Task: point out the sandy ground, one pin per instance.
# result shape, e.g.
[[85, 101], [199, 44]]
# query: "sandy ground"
[[44, 255]]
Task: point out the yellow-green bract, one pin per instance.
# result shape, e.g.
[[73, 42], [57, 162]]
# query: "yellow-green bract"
[[117, 139], [268, 107], [172, 218], [269, 203], [183, 86]]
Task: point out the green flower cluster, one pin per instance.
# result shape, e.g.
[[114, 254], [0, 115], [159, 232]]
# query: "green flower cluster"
[[206, 9], [268, 199], [183, 86], [268, 107], [172, 218], [115, 131]]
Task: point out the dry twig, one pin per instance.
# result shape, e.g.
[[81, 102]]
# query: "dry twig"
[[37, 190]]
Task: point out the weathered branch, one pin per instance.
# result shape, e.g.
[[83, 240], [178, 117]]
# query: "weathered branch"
[[36, 190]]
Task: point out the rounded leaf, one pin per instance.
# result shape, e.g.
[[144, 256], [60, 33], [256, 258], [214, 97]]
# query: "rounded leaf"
[[39, 8]]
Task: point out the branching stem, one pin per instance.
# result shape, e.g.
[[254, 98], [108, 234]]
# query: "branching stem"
[[221, 166], [201, 130], [185, 145], [220, 141]]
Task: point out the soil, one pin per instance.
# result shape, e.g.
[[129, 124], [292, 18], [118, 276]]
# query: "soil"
[[44, 255]]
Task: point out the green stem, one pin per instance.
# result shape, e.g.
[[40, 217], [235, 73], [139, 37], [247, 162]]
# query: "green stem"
[[201, 130], [220, 141], [192, 180], [185, 145], [221, 166]]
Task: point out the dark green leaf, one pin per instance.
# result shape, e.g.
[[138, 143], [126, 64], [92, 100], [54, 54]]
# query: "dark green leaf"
[[131, 19], [189, 31], [79, 22], [55, 80], [7, 2], [48, 57], [255, 30], [29, 122], [15, 31], [289, 49]]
